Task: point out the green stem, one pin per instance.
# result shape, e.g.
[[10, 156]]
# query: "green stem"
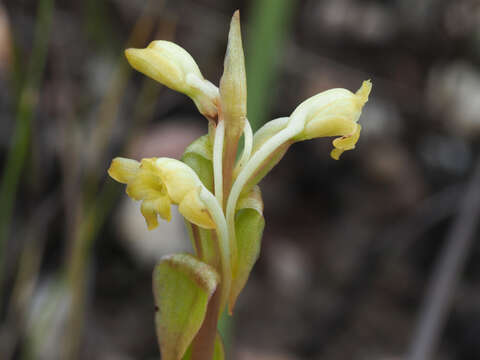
[[223, 242], [204, 342]]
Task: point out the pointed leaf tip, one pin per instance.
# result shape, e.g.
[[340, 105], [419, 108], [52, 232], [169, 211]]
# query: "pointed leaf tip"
[[233, 84], [233, 96]]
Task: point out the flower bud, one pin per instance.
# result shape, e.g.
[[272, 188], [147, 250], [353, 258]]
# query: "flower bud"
[[233, 98], [333, 112], [174, 67], [233, 84]]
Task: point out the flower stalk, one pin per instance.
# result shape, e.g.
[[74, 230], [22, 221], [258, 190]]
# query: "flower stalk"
[[216, 192]]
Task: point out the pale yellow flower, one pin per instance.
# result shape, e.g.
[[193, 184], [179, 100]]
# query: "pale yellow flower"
[[160, 182], [333, 112]]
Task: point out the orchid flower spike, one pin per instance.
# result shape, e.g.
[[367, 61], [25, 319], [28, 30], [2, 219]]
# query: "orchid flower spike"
[[216, 190]]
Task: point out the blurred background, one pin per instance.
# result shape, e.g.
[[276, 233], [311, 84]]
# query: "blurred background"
[[351, 247]]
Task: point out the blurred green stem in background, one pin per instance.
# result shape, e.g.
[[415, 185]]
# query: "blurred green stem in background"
[[269, 24], [26, 106], [85, 236], [98, 24], [96, 205]]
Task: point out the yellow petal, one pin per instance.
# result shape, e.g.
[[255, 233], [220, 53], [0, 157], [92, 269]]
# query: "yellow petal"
[[363, 93], [149, 213], [149, 164], [333, 112], [194, 210], [123, 170], [150, 209], [345, 143], [165, 62], [172, 66], [178, 177], [146, 185], [162, 206], [331, 124], [177, 55]]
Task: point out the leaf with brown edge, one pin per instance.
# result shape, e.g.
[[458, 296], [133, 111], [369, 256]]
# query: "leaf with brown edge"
[[249, 224], [182, 286]]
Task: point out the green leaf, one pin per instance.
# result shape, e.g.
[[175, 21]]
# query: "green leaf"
[[218, 352], [182, 287], [249, 224], [201, 147], [198, 155]]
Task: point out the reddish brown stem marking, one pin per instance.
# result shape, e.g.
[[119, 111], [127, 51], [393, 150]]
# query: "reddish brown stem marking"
[[204, 343]]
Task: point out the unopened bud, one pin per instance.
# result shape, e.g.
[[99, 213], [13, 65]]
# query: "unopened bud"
[[233, 85]]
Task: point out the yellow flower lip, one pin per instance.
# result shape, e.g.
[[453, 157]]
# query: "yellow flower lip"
[[345, 143], [158, 183]]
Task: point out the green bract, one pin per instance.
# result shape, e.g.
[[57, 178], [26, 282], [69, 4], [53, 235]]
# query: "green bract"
[[182, 286]]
